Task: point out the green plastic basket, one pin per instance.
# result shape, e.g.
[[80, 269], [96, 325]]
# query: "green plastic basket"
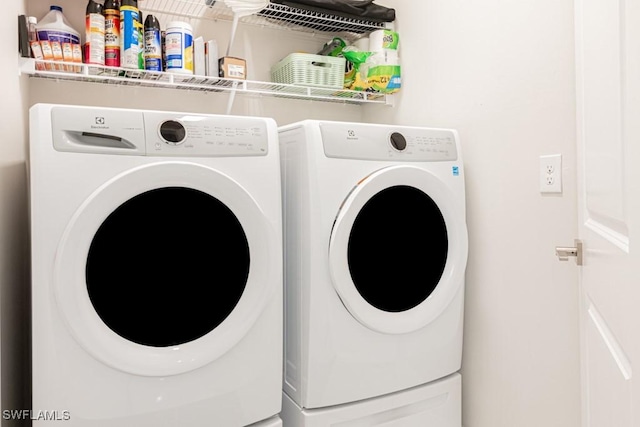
[[310, 70]]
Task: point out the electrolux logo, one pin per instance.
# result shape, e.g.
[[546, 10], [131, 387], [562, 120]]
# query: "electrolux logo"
[[351, 135], [100, 123]]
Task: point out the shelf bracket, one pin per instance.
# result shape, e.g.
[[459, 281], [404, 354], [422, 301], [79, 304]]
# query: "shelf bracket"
[[26, 66], [389, 100]]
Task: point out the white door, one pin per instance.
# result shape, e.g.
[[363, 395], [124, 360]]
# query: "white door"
[[608, 110]]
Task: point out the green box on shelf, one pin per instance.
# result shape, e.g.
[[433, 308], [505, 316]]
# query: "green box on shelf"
[[310, 70]]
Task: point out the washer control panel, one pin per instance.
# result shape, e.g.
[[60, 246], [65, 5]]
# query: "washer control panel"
[[205, 135], [157, 133], [379, 142]]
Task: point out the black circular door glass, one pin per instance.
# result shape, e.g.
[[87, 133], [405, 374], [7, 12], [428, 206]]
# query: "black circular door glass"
[[167, 266], [397, 248]]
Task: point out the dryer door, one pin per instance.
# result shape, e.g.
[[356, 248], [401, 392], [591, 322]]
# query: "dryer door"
[[165, 268], [398, 249]]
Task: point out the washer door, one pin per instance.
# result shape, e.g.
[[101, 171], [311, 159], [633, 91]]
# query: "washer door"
[[398, 249], [165, 268]]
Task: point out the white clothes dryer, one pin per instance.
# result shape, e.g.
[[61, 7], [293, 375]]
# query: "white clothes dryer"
[[375, 256], [156, 268]]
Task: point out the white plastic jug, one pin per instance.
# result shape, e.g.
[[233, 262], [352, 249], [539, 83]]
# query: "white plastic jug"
[[55, 27]]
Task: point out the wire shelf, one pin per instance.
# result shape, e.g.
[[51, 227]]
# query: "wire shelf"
[[307, 20], [274, 15], [63, 71]]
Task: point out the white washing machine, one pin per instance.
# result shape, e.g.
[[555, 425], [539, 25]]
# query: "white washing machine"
[[156, 268], [375, 256]]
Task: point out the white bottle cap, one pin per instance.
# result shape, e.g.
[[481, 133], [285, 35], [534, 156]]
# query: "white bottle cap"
[[179, 25]]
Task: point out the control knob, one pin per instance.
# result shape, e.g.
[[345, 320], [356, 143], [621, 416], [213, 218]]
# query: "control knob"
[[173, 132], [398, 141]]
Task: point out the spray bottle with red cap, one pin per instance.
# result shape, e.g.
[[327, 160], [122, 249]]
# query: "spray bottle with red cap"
[[111, 13], [94, 35]]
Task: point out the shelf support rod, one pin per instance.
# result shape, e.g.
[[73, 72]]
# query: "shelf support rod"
[[232, 97], [234, 27]]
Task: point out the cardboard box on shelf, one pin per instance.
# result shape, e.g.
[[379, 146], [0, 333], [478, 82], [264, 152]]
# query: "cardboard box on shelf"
[[233, 68]]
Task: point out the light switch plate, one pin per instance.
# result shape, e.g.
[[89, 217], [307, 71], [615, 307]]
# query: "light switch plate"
[[551, 173]]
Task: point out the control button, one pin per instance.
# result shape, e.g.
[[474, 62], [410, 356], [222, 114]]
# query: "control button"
[[173, 132], [398, 141]]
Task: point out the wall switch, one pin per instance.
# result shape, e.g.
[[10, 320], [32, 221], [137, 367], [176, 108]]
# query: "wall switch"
[[551, 173]]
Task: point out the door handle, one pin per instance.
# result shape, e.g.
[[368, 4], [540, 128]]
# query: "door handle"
[[564, 252]]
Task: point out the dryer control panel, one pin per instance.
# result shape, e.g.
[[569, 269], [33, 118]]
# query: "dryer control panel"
[[379, 142]]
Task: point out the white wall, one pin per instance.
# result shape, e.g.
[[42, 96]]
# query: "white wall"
[[13, 218], [502, 73]]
